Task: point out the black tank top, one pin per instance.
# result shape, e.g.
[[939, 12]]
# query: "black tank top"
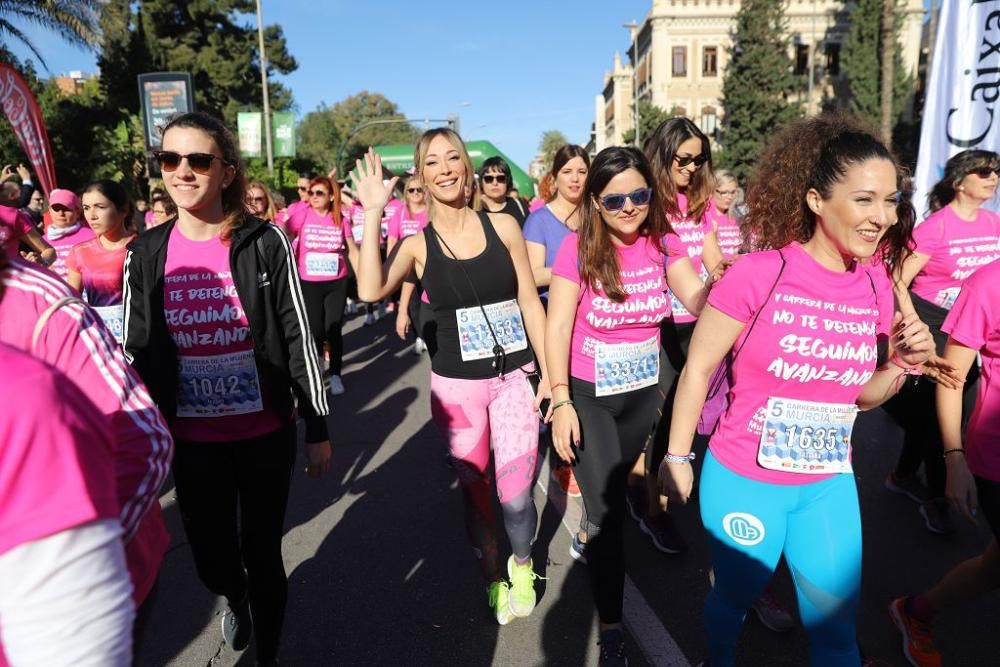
[[464, 342]]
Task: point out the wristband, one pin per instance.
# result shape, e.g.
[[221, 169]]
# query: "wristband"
[[558, 405], [908, 369], [559, 384], [674, 458], [959, 450]]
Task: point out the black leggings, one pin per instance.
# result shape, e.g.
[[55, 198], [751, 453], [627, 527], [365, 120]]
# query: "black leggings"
[[325, 307], [614, 430], [675, 339], [232, 498]]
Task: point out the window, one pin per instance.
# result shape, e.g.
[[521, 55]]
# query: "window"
[[801, 59], [710, 61], [680, 54], [833, 59], [709, 121]]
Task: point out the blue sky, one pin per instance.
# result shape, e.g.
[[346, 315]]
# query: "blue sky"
[[512, 68]]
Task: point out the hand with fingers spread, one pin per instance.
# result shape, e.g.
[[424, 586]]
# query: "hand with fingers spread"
[[367, 181], [912, 341]]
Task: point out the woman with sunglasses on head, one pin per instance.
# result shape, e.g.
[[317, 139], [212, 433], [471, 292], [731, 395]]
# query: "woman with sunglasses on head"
[[215, 323], [815, 339], [475, 270], [96, 267], [323, 246], [606, 301], [958, 238], [496, 182]]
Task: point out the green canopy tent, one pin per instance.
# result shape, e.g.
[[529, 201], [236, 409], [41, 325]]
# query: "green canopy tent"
[[398, 158]]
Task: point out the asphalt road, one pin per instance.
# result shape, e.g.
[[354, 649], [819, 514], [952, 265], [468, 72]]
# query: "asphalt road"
[[380, 571]]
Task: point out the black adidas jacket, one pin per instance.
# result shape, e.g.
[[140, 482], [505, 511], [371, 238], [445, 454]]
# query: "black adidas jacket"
[[267, 281]]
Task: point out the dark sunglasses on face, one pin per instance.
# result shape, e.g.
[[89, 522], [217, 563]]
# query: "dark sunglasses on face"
[[985, 172], [499, 178], [616, 202], [303, 188], [200, 163], [413, 191], [318, 193], [683, 161], [59, 208]]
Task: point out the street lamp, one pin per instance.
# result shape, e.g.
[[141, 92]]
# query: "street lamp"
[[451, 121], [633, 28], [263, 83]]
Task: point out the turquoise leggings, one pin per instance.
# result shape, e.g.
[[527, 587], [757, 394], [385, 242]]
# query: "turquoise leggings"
[[818, 528]]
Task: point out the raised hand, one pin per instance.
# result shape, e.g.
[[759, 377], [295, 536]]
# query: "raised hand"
[[367, 180]]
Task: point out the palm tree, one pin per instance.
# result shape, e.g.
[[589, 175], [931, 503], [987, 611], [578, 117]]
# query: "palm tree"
[[75, 21]]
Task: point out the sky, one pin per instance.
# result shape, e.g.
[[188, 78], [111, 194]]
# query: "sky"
[[511, 69]]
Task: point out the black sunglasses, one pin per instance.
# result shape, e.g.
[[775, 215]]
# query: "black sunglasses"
[[616, 202], [499, 178], [318, 193], [698, 160], [412, 191], [200, 163], [985, 172], [303, 188]]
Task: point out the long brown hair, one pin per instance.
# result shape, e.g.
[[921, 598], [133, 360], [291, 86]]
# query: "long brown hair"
[[815, 153], [234, 197], [597, 255], [660, 149]]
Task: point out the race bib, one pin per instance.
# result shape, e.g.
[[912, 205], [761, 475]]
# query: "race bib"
[[114, 319], [323, 264], [807, 436], [218, 386], [474, 334], [946, 297], [626, 366], [358, 232]]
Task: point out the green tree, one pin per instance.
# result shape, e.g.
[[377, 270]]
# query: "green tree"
[[551, 141], [861, 63], [758, 83], [650, 118], [73, 20]]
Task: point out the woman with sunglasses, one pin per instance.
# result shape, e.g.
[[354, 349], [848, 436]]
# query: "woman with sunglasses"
[[65, 229], [96, 267], [723, 238], [215, 324], [496, 182], [323, 246], [356, 215], [408, 221], [475, 270], [816, 338], [958, 238], [260, 203], [606, 301], [163, 209]]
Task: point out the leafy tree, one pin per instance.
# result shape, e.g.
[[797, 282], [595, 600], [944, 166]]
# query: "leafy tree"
[[758, 83], [552, 140], [73, 20], [862, 63], [650, 118]]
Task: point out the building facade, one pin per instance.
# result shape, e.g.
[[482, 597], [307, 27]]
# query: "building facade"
[[678, 56]]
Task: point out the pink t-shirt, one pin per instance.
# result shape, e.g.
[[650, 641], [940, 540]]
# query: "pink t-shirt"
[[219, 395], [535, 204], [814, 340], [73, 342], [957, 248], [320, 248], [18, 225], [692, 238], [101, 270], [974, 321], [727, 230], [601, 320], [356, 214], [404, 223], [64, 244]]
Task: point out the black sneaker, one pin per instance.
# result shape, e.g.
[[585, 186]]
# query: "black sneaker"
[[636, 500], [663, 531], [612, 643], [237, 627]]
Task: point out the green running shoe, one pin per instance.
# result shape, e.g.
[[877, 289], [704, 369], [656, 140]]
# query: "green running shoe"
[[499, 593], [522, 587]]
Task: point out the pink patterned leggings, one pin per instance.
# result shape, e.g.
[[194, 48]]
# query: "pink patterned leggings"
[[478, 416]]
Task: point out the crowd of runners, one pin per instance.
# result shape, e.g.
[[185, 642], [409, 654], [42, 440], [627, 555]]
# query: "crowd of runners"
[[641, 304]]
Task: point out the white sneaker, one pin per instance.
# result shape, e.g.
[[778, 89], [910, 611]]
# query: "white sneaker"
[[336, 385], [369, 320], [419, 347]]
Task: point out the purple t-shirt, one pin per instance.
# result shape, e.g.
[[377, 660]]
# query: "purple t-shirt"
[[544, 228]]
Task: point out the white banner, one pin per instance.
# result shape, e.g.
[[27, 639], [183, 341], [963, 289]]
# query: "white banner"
[[248, 127], [960, 109]]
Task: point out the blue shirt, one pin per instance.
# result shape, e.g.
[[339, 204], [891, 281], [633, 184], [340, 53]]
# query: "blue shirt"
[[544, 228]]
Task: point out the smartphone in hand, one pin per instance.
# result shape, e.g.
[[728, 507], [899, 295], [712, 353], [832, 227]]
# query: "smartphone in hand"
[[534, 379]]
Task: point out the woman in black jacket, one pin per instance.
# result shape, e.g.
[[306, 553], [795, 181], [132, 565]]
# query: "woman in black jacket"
[[215, 324]]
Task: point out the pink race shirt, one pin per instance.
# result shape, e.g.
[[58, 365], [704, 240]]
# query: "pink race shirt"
[[599, 320], [356, 214], [18, 225], [404, 223], [974, 321], [219, 395], [957, 248], [64, 244], [727, 230], [320, 248], [814, 340], [101, 269], [692, 238]]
